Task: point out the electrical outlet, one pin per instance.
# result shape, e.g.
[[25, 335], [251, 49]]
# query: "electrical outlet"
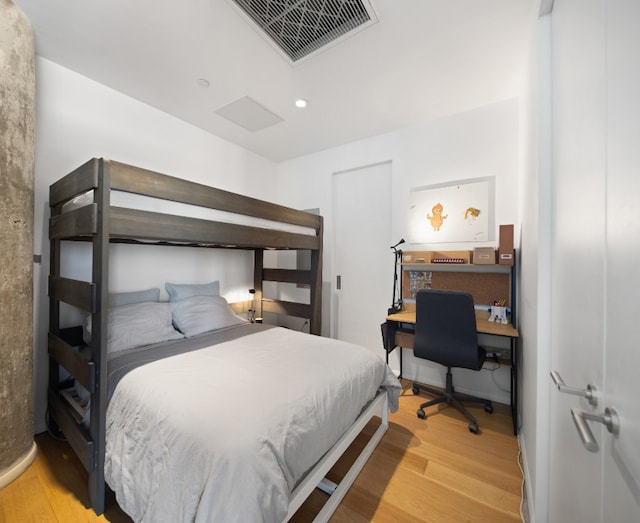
[[499, 354]]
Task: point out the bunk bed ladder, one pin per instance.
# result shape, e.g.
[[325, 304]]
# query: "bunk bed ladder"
[[312, 278], [85, 364]]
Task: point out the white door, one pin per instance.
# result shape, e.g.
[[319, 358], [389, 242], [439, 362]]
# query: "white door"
[[578, 253], [595, 247], [363, 260], [621, 483]]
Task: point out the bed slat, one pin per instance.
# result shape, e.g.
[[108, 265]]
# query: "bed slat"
[[83, 179], [133, 223], [76, 363], [75, 434], [78, 222], [78, 293], [300, 310], [287, 276]]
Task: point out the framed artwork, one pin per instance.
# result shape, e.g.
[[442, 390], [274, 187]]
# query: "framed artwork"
[[461, 211]]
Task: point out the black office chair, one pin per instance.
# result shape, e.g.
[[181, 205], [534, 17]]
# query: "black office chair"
[[446, 333]]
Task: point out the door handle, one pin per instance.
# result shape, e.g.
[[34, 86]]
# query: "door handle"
[[590, 392], [609, 419]]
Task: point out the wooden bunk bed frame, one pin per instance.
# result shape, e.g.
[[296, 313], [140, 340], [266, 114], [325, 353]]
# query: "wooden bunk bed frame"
[[102, 224]]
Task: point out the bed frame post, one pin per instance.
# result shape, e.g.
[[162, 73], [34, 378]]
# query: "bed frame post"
[[54, 323], [100, 277], [315, 322], [258, 267]]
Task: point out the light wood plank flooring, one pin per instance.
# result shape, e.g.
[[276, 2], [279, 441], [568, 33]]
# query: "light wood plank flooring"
[[430, 470]]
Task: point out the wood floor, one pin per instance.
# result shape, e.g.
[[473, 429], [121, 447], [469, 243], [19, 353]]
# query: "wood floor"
[[430, 470]]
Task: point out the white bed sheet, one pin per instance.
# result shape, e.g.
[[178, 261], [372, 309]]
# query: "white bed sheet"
[[226, 432]]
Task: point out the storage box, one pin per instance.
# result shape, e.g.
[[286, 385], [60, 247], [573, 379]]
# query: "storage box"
[[484, 256], [416, 257], [433, 257], [505, 249], [451, 257]]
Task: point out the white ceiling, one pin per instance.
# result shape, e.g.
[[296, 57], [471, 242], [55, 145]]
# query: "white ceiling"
[[424, 59]]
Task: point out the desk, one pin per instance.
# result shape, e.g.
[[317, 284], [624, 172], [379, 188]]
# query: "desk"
[[398, 332]]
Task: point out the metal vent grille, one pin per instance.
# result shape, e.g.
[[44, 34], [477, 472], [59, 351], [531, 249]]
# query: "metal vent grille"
[[300, 27]]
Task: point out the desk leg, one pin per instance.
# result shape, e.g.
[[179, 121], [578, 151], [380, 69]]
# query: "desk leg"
[[514, 384], [387, 352], [388, 330]]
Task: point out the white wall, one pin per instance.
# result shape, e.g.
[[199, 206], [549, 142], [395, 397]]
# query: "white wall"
[[535, 204], [78, 119], [478, 143]]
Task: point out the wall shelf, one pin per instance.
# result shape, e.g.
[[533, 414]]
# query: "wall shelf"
[[485, 282], [457, 267]]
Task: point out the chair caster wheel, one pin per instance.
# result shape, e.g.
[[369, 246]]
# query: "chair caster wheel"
[[488, 408], [473, 427], [415, 389], [421, 414]]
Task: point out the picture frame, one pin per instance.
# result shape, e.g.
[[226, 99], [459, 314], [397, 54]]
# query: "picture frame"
[[459, 211]]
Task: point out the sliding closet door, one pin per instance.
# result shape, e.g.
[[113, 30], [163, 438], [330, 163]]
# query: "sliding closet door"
[[594, 456], [621, 452], [363, 261], [578, 252]]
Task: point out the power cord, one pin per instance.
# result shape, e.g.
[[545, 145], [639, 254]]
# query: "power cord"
[[494, 358], [521, 485]]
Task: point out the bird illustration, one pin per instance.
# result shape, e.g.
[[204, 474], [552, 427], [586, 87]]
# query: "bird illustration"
[[471, 214]]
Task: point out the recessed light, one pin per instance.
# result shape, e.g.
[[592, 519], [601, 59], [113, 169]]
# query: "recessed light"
[[203, 82], [301, 102]]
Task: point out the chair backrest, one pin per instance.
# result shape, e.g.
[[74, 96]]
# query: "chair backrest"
[[446, 329]]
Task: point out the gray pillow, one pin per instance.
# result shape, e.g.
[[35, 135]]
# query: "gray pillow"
[[138, 324], [182, 291], [200, 314], [124, 298], [117, 299]]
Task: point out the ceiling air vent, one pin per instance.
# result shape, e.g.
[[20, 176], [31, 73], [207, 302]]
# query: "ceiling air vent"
[[299, 28]]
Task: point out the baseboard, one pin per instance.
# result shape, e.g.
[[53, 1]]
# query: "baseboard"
[[480, 383], [18, 467], [529, 512], [501, 397]]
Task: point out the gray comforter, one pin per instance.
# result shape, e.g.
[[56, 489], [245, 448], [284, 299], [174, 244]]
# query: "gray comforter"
[[225, 432]]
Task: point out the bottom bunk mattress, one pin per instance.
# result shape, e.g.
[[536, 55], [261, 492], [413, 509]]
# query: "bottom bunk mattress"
[[226, 432]]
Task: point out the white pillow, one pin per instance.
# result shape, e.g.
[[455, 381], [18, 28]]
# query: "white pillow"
[[139, 324], [200, 314], [181, 291], [125, 298]]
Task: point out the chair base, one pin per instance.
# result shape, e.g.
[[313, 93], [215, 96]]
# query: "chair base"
[[451, 398]]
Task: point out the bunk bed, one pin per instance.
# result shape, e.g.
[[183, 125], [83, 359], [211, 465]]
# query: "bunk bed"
[[91, 364]]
